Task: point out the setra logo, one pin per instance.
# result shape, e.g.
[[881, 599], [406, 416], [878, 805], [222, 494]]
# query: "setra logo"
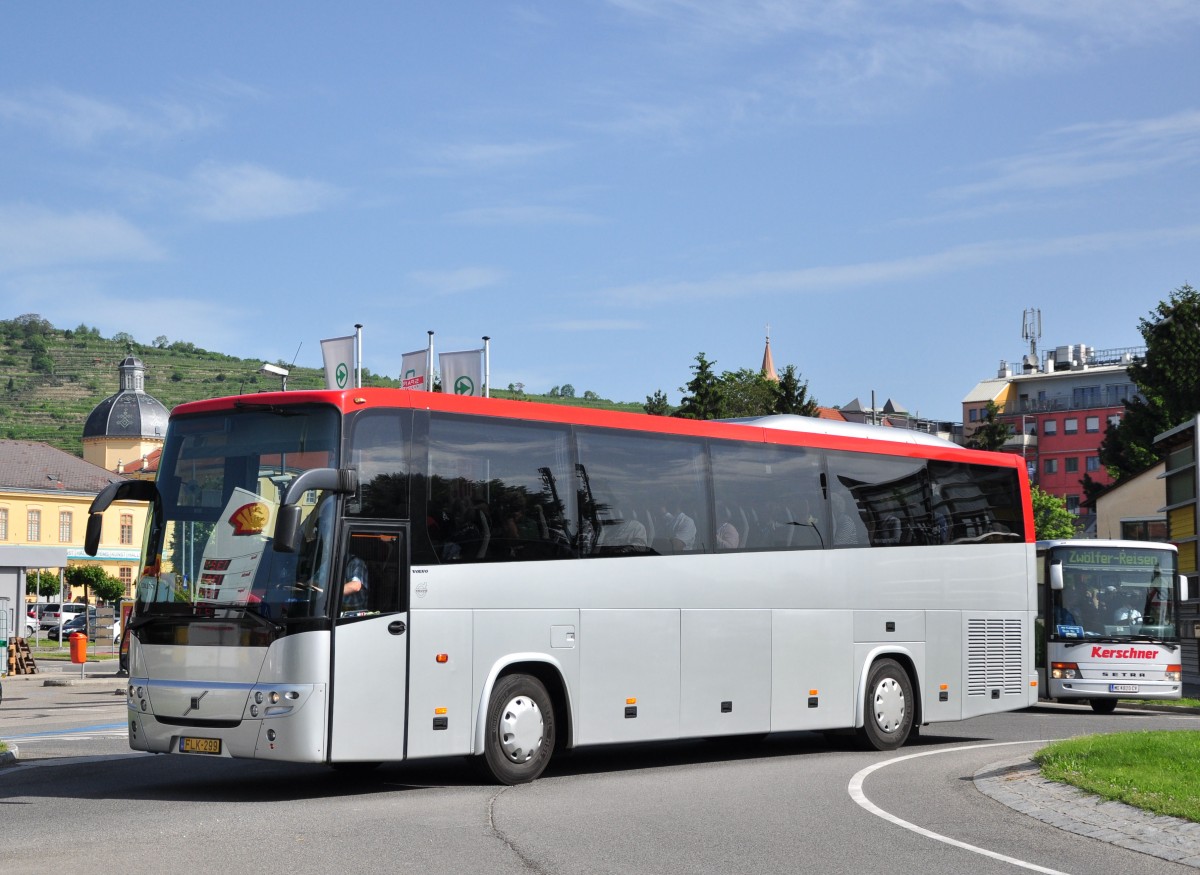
[[250, 519]]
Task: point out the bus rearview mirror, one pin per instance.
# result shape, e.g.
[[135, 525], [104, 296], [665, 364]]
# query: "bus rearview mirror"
[[1056, 575]]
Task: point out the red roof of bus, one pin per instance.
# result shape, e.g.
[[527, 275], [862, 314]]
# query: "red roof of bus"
[[893, 442]]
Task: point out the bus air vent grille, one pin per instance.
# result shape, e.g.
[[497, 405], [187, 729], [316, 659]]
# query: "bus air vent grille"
[[994, 657]]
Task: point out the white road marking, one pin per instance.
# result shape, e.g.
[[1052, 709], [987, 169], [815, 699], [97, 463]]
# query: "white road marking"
[[857, 794]]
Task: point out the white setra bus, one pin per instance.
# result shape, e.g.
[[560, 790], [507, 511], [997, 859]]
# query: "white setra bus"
[[380, 575], [1109, 621]]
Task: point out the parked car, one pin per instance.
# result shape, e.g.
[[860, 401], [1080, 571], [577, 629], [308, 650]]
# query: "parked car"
[[31, 624], [82, 622], [54, 614]]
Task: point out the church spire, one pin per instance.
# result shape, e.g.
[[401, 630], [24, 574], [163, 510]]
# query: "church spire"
[[768, 365]]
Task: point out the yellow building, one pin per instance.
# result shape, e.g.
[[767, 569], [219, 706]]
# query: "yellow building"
[[44, 499]]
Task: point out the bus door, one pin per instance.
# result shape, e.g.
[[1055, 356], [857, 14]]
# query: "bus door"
[[370, 643]]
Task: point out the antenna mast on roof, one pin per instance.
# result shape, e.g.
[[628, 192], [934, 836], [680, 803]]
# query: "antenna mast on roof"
[[1031, 329]]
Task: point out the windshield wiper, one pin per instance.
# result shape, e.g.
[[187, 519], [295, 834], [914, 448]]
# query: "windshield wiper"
[[277, 628]]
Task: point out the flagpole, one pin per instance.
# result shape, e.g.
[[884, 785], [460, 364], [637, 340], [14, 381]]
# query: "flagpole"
[[357, 356], [429, 365], [487, 367]]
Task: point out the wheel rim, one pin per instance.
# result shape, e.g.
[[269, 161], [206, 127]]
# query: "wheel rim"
[[889, 705], [521, 727]]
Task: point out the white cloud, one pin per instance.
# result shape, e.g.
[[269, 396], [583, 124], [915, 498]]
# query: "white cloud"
[[871, 274], [80, 120], [487, 157], [34, 237], [247, 192], [453, 282], [1084, 155]]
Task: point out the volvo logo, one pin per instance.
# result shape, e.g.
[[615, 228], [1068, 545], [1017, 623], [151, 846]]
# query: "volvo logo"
[[195, 703]]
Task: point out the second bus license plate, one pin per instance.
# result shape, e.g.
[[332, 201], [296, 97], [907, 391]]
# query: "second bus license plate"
[[189, 744], [1123, 688]]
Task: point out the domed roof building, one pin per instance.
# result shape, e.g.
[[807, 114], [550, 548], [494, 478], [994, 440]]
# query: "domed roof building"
[[126, 427]]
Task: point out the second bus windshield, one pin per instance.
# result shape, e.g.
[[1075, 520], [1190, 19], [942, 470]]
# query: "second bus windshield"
[[1114, 593]]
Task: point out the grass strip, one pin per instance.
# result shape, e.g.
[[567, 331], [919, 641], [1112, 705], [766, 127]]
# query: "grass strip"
[[1154, 771]]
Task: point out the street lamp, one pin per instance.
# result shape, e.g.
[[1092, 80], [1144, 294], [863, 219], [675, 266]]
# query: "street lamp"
[[275, 371]]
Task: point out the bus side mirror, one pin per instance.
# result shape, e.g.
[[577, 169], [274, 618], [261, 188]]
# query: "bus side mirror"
[[1056, 575], [287, 528], [120, 490], [288, 517], [91, 538], [1183, 588]]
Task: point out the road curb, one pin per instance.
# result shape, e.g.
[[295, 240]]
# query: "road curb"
[[9, 757]]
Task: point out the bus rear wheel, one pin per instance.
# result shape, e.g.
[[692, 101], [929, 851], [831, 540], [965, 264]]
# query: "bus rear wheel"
[[1103, 706], [888, 707], [520, 730]]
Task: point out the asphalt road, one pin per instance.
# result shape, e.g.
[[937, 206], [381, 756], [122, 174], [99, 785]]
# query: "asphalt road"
[[787, 804]]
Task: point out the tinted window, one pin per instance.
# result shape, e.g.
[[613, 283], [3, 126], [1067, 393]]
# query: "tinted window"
[[497, 490], [881, 501], [379, 450], [768, 498], [974, 503], [641, 493]]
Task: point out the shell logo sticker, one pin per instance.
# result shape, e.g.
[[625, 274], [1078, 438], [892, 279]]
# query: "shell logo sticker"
[[250, 519]]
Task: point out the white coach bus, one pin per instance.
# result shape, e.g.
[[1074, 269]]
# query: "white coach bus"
[[1110, 621], [381, 575]]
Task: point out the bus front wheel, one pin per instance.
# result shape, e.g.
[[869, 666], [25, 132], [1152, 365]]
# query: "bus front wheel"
[[888, 708], [520, 730], [1103, 706]]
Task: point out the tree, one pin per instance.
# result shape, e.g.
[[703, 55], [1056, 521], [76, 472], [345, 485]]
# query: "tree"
[[1168, 391], [992, 434], [95, 581], [567, 391], [746, 393], [791, 394], [1051, 519], [705, 401], [43, 584], [656, 404]]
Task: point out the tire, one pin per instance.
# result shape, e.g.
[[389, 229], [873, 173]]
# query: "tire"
[[887, 708], [1103, 706], [520, 731]]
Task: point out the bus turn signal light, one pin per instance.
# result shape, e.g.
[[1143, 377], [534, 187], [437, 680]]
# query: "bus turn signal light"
[[442, 657]]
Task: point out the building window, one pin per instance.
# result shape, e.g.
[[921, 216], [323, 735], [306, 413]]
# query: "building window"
[[1050, 426], [1073, 504], [34, 529], [973, 414], [1114, 419], [1072, 465], [1144, 530], [64, 527], [1092, 424], [1070, 426], [1093, 463], [126, 528], [3, 523], [125, 575], [1050, 466], [1085, 396]]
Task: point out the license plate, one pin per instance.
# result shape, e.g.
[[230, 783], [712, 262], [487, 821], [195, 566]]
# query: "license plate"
[[189, 744], [1122, 688]]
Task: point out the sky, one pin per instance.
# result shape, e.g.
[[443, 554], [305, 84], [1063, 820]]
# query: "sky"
[[607, 188]]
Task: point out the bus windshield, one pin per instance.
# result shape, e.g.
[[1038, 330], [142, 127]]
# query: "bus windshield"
[[1115, 593], [220, 482]]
